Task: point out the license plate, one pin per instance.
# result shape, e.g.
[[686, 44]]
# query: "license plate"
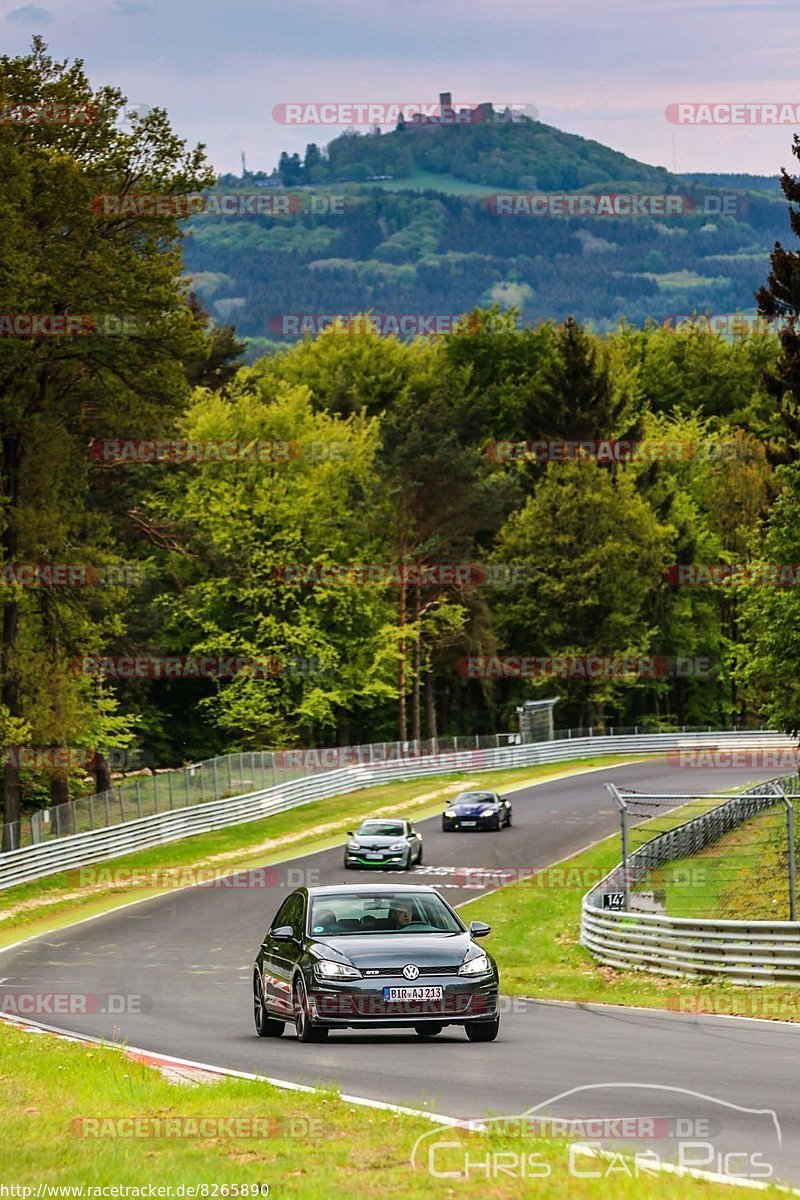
[[374, 854], [412, 993], [469, 824]]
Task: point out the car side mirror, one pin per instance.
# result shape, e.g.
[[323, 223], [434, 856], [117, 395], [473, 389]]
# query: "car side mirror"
[[479, 929], [350, 833], [284, 933]]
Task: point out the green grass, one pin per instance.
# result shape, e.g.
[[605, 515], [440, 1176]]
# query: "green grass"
[[305, 1147], [56, 900], [743, 876]]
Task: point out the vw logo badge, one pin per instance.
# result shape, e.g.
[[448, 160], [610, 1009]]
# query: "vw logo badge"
[[411, 972]]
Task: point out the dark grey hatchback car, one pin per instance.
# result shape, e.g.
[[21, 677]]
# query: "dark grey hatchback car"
[[373, 957]]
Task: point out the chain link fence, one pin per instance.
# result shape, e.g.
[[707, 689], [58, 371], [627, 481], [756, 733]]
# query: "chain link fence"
[[731, 857]]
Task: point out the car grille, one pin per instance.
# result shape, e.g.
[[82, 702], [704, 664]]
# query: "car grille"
[[397, 972]]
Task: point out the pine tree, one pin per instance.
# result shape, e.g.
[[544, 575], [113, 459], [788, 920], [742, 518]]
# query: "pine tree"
[[780, 300]]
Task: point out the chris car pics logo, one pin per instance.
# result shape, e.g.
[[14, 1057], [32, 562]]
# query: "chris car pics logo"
[[609, 1131]]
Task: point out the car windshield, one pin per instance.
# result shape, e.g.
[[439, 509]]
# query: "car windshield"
[[475, 798], [381, 829], [362, 912]]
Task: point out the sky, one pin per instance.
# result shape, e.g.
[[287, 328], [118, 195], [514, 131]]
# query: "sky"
[[605, 69]]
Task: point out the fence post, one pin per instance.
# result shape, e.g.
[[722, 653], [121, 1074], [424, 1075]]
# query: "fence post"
[[139, 795], [169, 781], [91, 812], [230, 780], [623, 823], [216, 780], [155, 789], [790, 837]]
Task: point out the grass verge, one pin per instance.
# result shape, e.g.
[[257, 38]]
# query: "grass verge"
[[49, 903], [304, 1147]]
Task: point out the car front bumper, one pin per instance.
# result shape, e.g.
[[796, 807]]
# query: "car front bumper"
[[359, 1003], [468, 824], [394, 858]]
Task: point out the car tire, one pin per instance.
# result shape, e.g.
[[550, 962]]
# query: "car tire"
[[483, 1031], [407, 862], [508, 820], [347, 866], [419, 857], [426, 1031], [265, 1025], [495, 827], [306, 1032]]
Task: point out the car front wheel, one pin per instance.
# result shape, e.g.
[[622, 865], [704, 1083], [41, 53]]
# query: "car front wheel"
[[483, 1031], [306, 1032], [265, 1026], [424, 1031]]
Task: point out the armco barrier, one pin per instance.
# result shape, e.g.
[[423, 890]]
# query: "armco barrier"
[[33, 862], [747, 952]]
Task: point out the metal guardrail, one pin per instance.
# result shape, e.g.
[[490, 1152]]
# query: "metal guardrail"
[[82, 849], [747, 952]]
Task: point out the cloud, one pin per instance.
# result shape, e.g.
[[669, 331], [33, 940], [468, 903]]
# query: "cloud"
[[31, 12]]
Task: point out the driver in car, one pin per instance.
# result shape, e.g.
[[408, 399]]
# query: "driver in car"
[[402, 914], [325, 921]]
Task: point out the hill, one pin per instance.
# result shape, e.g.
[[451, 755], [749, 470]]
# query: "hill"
[[429, 239]]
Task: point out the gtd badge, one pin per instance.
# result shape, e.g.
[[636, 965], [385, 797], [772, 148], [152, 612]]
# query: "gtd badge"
[[410, 971]]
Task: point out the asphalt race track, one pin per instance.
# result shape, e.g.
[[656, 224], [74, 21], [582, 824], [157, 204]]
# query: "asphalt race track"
[[189, 955]]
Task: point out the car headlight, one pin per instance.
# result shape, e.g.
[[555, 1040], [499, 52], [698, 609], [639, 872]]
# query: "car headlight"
[[488, 812], [450, 812], [337, 970], [479, 965], [353, 846], [397, 846]]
